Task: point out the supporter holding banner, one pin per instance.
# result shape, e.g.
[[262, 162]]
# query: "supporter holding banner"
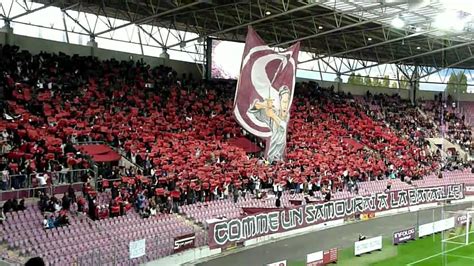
[[265, 92]]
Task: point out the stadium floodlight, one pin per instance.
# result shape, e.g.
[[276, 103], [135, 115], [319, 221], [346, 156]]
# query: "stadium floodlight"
[[449, 20], [398, 22]]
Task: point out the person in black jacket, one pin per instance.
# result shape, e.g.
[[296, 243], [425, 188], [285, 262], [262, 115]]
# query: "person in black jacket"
[[21, 205], [36, 261], [7, 206], [278, 202]]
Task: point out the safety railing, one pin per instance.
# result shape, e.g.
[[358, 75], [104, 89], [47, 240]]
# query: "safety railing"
[[19, 181], [24, 186]]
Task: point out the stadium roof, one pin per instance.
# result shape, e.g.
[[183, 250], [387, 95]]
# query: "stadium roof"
[[419, 32]]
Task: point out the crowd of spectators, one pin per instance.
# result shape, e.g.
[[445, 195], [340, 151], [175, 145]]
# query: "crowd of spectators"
[[405, 119], [178, 130], [452, 124], [56, 210], [13, 205]]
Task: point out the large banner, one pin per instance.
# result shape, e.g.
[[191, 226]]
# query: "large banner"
[[241, 229], [265, 92]]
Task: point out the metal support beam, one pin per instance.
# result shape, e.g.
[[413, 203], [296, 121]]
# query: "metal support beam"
[[413, 56], [147, 19], [140, 39], [33, 10], [369, 46], [77, 22], [69, 7], [335, 30], [448, 66], [404, 72], [249, 23], [65, 28], [150, 35]]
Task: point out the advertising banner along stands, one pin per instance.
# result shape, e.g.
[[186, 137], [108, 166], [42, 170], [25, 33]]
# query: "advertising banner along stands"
[[222, 233], [367, 245], [404, 235], [321, 258], [278, 263], [436, 227], [184, 242]]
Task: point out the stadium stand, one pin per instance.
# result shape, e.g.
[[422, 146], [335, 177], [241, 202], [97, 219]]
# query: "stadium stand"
[[180, 131], [125, 118]]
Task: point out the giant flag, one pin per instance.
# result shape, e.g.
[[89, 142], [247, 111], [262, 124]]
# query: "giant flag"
[[265, 92]]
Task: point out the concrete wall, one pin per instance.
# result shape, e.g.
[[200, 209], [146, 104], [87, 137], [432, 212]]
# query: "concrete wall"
[[36, 45], [445, 144]]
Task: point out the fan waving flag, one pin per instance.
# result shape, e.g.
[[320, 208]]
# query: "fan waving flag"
[[265, 92]]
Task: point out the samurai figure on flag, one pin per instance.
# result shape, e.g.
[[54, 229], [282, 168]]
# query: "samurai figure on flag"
[[265, 92], [276, 120]]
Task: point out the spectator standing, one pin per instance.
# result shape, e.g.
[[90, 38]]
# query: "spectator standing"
[[389, 185], [45, 222], [4, 176], [236, 194], [42, 180], [2, 215]]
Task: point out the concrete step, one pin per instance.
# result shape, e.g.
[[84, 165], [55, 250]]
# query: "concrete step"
[[190, 222], [11, 257]]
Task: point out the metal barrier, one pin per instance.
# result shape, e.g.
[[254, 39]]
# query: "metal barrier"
[[55, 177], [33, 191], [22, 186]]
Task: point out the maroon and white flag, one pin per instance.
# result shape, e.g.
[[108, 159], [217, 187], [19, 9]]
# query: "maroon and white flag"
[[265, 92]]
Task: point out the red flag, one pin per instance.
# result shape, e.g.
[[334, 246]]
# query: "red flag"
[[265, 92]]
